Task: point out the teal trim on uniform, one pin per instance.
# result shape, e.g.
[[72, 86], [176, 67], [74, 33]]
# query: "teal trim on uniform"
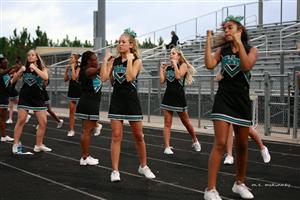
[[13, 98], [3, 106], [31, 108], [172, 108], [73, 99], [233, 120], [87, 117], [126, 117]]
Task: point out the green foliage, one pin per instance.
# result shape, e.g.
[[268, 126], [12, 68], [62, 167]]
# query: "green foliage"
[[160, 41], [147, 44], [20, 43]]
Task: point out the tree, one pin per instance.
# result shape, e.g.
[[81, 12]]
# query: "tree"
[[42, 39], [160, 41]]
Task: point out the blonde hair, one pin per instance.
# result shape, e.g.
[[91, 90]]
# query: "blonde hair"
[[134, 50], [40, 63], [190, 68]]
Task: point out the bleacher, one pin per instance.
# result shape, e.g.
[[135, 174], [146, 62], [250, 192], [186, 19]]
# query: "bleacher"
[[270, 61]]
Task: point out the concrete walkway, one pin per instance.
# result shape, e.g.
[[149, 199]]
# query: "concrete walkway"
[[206, 126]]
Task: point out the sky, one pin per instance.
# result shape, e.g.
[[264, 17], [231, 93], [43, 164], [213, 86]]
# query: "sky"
[[59, 18]]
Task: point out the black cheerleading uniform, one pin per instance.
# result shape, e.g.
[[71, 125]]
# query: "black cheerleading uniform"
[[45, 94], [31, 93], [89, 102], [125, 103], [4, 90], [13, 93], [74, 87], [232, 102], [174, 97]]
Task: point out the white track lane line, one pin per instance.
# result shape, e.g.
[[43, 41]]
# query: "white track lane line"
[[51, 181], [123, 172], [164, 161], [207, 154], [210, 143]]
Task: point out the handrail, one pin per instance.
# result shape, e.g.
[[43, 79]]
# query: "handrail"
[[266, 41], [282, 37], [149, 50]]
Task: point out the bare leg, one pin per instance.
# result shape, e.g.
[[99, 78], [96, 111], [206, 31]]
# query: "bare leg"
[[241, 141], [168, 117], [40, 133], [3, 115], [52, 113], [86, 137], [254, 135], [22, 115], [221, 133], [184, 117], [229, 143], [117, 134], [11, 109], [72, 106], [140, 145]]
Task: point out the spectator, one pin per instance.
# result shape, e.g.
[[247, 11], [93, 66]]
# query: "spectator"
[[174, 41]]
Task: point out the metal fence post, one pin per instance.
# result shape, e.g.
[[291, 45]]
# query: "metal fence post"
[[55, 71], [289, 104], [199, 102], [267, 101], [149, 98], [296, 105]]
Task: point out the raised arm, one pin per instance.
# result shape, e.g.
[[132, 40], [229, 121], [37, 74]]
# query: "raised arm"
[[181, 71], [107, 65], [133, 68], [162, 72], [211, 59], [41, 73], [66, 75], [18, 74], [75, 72]]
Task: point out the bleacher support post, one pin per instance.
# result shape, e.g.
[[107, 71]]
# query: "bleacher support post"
[[260, 13], [296, 105], [149, 99], [199, 102], [267, 101], [282, 72]]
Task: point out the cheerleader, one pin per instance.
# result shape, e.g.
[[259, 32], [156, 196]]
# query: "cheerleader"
[[71, 75], [176, 75], [33, 74], [49, 109], [5, 85], [89, 103], [232, 104], [125, 104]]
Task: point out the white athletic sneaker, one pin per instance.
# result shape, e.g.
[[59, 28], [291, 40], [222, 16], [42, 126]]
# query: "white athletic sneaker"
[[7, 139], [196, 146], [9, 121], [41, 148], [71, 133], [28, 118], [168, 150], [146, 171], [15, 148], [89, 161], [115, 176], [97, 129], [60, 123], [265, 154], [242, 190], [229, 160], [212, 194]]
